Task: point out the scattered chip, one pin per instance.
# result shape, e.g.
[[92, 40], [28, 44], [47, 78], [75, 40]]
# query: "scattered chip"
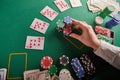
[[52, 70], [46, 62], [64, 60], [68, 20], [64, 75], [60, 23]]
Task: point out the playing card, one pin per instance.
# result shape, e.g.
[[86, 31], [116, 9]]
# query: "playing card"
[[28, 74], [33, 42], [75, 3], [3, 73], [43, 75], [39, 25], [62, 5], [49, 13]]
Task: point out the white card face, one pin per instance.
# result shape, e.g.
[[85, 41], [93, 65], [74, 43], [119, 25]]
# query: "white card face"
[[62, 5], [39, 25], [33, 42], [49, 13], [75, 3]]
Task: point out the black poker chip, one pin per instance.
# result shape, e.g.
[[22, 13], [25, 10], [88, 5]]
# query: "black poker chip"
[[64, 60]]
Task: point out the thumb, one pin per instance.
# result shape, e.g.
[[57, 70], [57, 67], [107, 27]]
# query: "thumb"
[[76, 36]]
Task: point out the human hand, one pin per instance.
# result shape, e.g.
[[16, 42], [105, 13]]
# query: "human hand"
[[88, 36]]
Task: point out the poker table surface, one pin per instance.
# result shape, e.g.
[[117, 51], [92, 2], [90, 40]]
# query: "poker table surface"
[[15, 20]]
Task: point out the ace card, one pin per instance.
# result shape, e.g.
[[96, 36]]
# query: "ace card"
[[33, 42], [49, 13], [39, 25], [62, 5]]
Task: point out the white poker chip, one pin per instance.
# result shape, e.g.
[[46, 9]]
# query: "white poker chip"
[[64, 75], [98, 20]]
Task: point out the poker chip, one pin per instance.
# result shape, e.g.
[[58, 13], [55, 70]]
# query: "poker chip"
[[55, 77], [46, 62], [77, 67], [103, 31], [67, 30], [60, 23], [68, 20], [105, 38], [98, 20], [64, 60], [87, 64], [52, 70], [64, 75]]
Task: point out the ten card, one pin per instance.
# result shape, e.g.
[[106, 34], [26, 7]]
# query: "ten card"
[[39, 25], [49, 13], [62, 5], [75, 3], [33, 42]]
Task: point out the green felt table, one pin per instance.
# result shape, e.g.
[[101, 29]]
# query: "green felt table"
[[15, 20]]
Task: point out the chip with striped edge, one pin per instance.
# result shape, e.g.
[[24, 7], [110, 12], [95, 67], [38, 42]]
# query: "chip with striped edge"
[[60, 23], [46, 62], [52, 70], [64, 60], [64, 75]]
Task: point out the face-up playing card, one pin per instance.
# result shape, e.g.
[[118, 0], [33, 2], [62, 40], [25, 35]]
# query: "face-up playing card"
[[33, 42], [75, 3], [28, 73], [62, 5], [49, 13], [3, 73], [39, 25]]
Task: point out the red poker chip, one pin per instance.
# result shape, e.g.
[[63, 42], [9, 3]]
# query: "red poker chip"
[[46, 62]]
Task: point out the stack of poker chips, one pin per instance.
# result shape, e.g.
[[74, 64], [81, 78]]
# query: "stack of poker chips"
[[105, 38], [68, 26], [103, 31], [88, 66], [100, 18], [104, 34], [114, 21], [78, 68]]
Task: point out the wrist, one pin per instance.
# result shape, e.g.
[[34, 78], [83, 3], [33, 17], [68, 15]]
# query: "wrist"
[[96, 45]]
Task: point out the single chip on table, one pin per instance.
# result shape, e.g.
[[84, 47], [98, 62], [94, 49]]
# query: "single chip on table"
[[46, 62], [64, 60], [52, 70]]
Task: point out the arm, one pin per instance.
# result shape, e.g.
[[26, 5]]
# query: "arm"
[[106, 51], [109, 53]]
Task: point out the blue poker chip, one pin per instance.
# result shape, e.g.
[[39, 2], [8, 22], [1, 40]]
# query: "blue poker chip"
[[77, 67], [68, 20]]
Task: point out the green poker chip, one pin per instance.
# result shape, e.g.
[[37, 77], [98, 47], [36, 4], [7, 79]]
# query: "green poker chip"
[[52, 70], [60, 23]]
